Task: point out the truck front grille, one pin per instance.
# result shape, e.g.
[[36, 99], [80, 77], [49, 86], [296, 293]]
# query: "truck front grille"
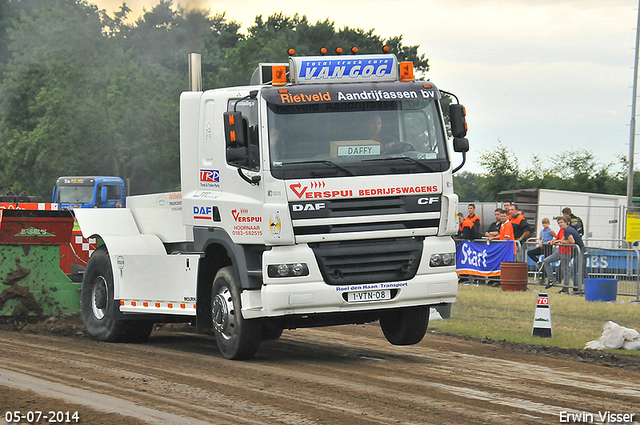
[[370, 261]]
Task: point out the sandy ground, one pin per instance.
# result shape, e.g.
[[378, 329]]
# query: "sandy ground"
[[338, 375]]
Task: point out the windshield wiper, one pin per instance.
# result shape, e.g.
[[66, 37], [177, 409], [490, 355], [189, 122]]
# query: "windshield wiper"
[[345, 170], [404, 158]]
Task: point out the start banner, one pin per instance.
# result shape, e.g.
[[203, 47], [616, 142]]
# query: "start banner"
[[481, 259]]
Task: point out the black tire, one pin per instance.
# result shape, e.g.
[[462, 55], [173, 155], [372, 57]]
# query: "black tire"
[[405, 326], [270, 330], [237, 338], [98, 305]]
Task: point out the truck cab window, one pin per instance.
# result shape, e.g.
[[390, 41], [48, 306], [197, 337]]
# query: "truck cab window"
[[353, 136], [113, 192]]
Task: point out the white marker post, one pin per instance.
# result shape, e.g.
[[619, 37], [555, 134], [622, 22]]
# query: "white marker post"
[[542, 317]]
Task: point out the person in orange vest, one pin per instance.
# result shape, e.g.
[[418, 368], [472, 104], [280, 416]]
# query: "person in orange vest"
[[471, 224], [521, 228], [460, 221], [470, 227]]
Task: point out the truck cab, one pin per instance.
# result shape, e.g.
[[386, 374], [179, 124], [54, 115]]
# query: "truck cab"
[[89, 192], [321, 194]]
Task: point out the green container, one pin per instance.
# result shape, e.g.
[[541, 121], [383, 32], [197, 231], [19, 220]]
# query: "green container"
[[32, 284]]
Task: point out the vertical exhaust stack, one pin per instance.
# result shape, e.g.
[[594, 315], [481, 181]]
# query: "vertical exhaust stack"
[[195, 72]]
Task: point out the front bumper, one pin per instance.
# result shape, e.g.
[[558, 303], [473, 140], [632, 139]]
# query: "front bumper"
[[307, 295]]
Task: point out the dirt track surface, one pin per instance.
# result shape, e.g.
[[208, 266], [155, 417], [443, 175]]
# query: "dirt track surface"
[[339, 375]]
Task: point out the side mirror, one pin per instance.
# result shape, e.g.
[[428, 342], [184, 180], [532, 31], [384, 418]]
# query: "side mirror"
[[103, 194], [460, 144], [457, 114], [235, 132]]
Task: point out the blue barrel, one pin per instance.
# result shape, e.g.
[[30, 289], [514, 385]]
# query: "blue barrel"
[[600, 289]]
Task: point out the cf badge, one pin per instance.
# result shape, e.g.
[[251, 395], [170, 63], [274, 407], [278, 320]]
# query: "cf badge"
[[428, 200]]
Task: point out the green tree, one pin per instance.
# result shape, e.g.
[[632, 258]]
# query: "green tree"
[[502, 171]]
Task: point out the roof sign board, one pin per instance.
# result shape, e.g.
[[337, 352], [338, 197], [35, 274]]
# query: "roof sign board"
[[342, 69]]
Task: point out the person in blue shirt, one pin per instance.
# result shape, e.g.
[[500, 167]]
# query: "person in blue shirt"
[[546, 235]]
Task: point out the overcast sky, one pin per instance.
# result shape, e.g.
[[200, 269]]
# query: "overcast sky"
[[541, 76]]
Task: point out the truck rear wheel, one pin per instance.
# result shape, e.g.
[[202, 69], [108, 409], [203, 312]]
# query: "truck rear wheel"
[[237, 338], [98, 305], [405, 326]]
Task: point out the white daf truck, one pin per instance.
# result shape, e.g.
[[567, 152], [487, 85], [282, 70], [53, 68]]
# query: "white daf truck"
[[321, 194]]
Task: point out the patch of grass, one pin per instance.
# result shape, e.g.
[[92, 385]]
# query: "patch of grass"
[[488, 312]]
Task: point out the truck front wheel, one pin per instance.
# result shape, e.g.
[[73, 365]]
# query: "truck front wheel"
[[98, 305], [405, 326], [237, 338]]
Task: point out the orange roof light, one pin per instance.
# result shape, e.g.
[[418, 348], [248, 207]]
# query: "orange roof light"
[[385, 49], [339, 50], [354, 50], [279, 75], [323, 51], [406, 71], [291, 52]]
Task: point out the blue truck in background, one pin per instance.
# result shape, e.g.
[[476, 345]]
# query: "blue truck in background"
[[89, 192]]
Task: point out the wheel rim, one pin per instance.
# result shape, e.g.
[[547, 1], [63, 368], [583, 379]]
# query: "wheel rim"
[[223, 312], [99, 297]]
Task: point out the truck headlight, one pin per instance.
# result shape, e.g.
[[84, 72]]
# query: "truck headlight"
[[441, 260], [288, 270]]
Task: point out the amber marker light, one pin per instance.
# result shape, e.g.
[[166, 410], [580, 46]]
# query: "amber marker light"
[[385, 49], [279, 75], [323, 51], [427, 86], [354, 50], [291, 52], [406, 71], [339, 50]]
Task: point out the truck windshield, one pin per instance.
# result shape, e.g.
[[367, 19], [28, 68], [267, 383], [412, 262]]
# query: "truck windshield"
[[340, 130], [75, 194]]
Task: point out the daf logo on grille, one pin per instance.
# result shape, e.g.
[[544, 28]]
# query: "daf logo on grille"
[[428, 201], [308, 207]]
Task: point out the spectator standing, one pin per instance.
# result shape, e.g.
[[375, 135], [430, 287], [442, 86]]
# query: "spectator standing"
[[471, 224], [521, 228], [460, 221], [494, 228], [506, 228], [576, 222]]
